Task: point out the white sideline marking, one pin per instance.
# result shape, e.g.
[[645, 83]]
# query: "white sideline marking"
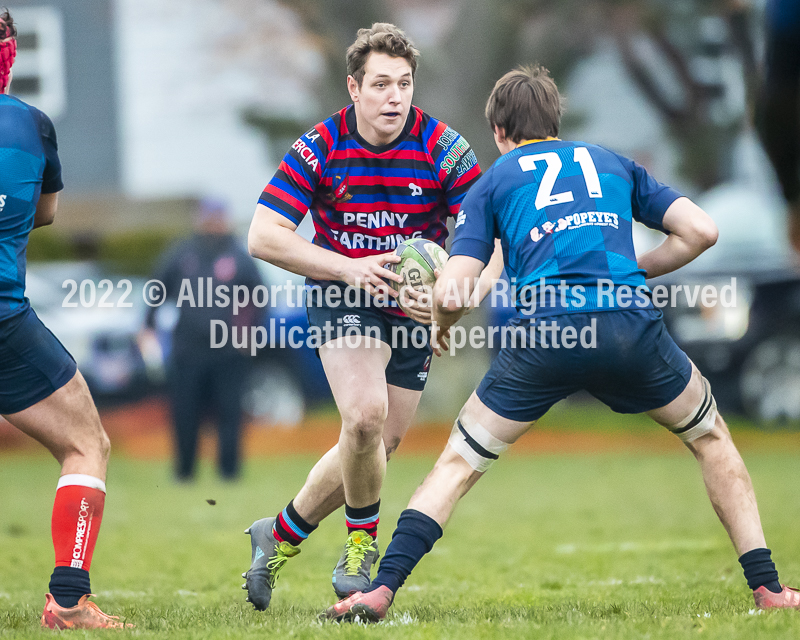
[[660, 546]]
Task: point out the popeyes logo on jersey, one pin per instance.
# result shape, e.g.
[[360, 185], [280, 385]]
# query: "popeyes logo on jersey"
[[576, 221], [305, 152]]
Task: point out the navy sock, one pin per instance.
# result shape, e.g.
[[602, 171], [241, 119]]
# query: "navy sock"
[[414, 536], [759, 570], [68, 585]]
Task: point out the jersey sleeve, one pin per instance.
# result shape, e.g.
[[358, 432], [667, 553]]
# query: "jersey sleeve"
[[650, 199], [455, 162], [51, 178], [291, 189], [475, 223]]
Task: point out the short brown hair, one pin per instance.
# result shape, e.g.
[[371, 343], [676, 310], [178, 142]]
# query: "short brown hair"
[[7, 27], [526, 104], [382, 37]]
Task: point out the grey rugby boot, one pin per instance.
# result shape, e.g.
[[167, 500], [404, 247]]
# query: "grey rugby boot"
[[268, 557], [352, 572]]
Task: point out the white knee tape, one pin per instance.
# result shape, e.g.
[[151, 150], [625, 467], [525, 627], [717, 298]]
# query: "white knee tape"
[[700, 421], [477, 446]]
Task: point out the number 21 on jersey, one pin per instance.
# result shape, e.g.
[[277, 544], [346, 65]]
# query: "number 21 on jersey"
[[545, 196]]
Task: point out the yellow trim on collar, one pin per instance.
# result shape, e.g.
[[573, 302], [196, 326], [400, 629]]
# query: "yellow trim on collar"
[[547, 139]]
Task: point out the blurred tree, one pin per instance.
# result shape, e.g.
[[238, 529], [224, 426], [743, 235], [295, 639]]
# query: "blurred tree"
[[694, 61], [691, 59]]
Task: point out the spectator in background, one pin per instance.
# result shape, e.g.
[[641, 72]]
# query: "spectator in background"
[[199, 376], [778, 106]]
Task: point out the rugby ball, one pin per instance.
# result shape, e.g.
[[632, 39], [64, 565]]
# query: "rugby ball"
[[418, 260]]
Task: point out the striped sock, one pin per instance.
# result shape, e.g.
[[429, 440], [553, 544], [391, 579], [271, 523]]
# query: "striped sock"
[[363, 518], [290, 527]]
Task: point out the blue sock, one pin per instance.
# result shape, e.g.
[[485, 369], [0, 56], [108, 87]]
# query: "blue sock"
[[759, 570], [68, 585], [414, 536]]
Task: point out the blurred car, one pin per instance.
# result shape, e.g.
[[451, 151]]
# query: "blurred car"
[[285, 381], [750, 350], [83, 306], [80, 303]]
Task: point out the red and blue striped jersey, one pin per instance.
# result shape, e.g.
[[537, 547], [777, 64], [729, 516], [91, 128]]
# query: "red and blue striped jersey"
[[365, 200]]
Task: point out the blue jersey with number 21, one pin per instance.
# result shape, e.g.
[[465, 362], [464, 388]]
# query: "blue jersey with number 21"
[[563, 212]]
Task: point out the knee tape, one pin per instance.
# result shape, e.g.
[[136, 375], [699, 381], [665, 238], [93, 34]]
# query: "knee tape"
[[700, 421], [477, 446]]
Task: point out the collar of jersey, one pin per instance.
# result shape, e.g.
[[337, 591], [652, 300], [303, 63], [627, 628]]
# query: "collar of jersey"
[[547, 139], [352, 125]]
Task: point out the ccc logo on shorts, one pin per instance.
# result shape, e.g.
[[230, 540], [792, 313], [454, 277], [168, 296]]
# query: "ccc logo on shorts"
[[352, 320]]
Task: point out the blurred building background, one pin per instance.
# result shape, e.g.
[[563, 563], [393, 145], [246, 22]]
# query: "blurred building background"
[[158, 103]]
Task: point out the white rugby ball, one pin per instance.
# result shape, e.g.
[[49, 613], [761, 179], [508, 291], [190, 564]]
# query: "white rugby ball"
[[418, 260]]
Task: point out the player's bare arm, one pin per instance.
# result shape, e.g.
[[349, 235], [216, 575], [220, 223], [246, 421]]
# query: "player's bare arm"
[[45, 210], [692, 231], [452, 292], [272, 238], [489, 277]]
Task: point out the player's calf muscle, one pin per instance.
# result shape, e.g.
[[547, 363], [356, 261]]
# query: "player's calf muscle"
[[451, 478]]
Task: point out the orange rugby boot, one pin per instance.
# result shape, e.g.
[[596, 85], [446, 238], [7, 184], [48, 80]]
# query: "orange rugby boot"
[[787, 599], [84, 615], [365, 607]]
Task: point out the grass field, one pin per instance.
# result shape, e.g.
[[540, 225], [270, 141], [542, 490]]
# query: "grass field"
[[612, 545]]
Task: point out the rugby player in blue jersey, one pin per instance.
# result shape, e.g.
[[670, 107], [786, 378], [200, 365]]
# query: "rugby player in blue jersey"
[[563, 212], [41, 391], [373, 175]]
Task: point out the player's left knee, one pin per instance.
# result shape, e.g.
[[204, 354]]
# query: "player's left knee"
[[701, 421], [475, 444]]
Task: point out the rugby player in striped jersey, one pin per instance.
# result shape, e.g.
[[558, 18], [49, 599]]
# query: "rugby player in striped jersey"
[[378, 172]]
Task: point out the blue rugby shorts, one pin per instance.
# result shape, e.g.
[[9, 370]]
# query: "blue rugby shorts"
[[409, 340], [633, 367], [33, 363]]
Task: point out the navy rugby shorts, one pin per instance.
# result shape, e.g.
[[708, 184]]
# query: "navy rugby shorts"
[[33, 363], [409, 340], [633, 367]]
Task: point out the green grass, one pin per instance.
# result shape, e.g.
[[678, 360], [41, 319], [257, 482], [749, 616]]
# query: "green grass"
[[557, 546]]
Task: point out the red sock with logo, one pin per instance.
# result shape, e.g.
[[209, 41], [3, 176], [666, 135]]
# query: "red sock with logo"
[[77, 514]]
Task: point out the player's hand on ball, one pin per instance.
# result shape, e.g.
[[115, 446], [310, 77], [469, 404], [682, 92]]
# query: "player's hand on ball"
[[417, 303], [370, 274]]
